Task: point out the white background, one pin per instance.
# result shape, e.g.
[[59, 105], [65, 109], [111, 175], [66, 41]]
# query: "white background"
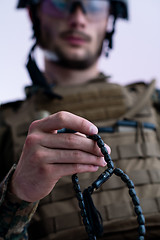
[[136, 54]]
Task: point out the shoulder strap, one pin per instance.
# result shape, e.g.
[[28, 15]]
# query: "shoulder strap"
[[143, 99]]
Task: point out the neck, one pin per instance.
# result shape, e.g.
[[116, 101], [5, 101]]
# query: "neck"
[[59, 75]]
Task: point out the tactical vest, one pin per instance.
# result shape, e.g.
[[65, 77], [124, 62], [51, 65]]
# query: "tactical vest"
[[130, 124]]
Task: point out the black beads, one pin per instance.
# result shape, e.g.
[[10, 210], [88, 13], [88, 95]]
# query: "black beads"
[[142, 230], [109, 161], [104, 150], [135, 200], [130, 184], [132, 192], [95, 137], [141, 219], [81, 203], [118, 171], [100, 143], [138, 210], [102, 179], [141, 238], [125, 178]]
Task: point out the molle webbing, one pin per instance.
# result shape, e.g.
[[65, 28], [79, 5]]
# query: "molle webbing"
[[119, 212], [96, 102], [136, 150], [139, 177], [111, 212]]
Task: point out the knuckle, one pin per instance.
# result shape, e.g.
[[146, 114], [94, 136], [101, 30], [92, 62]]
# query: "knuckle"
[[83, 123], [32, 140], [33, 126], [77, 168], [77, 155], [61, 116], [37, 156], [70, 139], [44, 170]]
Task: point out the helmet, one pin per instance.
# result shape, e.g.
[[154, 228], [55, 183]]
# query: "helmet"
[[119, 8], [25, 3]]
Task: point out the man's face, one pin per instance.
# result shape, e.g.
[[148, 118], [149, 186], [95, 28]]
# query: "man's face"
[[75, 37]]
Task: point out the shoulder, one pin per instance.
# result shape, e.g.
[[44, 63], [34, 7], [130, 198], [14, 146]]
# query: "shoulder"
[[8, 107], [138, 86], [14, 105], [141, 86], [148, 90]]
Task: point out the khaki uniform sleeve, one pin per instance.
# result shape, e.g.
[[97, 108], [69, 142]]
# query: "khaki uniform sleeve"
[[15, 214]]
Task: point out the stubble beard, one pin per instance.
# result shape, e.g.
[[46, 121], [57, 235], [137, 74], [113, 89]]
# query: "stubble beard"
[[76, 63], [64, 60]]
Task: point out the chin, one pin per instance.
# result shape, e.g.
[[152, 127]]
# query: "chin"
[[76, 58], [76, 54]]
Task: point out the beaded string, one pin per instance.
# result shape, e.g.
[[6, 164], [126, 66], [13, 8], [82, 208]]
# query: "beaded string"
[[97, 183]]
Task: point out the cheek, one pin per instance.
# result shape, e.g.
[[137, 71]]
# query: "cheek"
[[99, 34], [98, 29], [48, 27], [48, 33]]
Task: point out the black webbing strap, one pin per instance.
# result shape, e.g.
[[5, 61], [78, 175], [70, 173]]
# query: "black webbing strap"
[[37, 76]]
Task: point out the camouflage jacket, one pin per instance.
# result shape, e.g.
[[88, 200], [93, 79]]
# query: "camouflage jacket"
[[15, 214]]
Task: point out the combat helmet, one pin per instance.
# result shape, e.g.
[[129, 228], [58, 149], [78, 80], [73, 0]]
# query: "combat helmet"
[[119, 8]]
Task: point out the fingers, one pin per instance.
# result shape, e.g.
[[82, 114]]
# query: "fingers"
[[56, 156], [64, 120], [65, 141], [60, 120], [70, 141], [71, 169]]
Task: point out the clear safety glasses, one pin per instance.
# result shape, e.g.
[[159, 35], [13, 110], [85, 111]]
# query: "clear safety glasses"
[[93, 9]]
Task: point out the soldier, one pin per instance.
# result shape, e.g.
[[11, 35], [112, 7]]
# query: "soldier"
[[37, 200]]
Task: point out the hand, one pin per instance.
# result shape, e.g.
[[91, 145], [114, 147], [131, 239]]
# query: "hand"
[[48, 156]]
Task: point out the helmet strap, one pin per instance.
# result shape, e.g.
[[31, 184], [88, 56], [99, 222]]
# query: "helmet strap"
[[37, 77], [109, 39]]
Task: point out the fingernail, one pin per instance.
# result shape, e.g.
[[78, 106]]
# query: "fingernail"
[[93, 129], [108, 149], [104, 162], [96, 168]]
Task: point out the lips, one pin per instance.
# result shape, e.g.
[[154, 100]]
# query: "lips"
[[75, 38]]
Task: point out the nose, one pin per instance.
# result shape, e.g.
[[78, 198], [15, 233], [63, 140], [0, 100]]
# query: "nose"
[[77, 18]]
